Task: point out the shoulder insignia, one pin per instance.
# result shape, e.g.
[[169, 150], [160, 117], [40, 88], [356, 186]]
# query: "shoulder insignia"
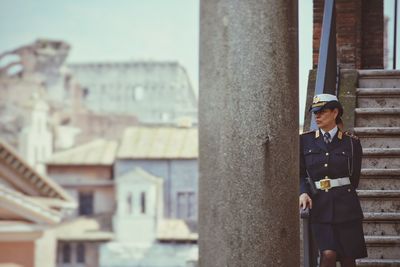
[[340, 135], [316, 134], [350, 135], [308, 132]]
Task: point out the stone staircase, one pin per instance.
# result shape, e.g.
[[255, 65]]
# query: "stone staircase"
[[377, 124]]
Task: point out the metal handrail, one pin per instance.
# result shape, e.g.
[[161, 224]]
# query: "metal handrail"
[[327, 63], [327, 82]]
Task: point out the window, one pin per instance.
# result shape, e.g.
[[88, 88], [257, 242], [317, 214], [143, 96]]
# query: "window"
[[191, 205], [186, 205], [164, 116], [129, 203], [66, 253], [80, 253], [143, 202], [85, 203], [138, 93], [85, 92]]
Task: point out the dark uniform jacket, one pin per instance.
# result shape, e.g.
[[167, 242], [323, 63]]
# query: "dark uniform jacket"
[[340, 158]]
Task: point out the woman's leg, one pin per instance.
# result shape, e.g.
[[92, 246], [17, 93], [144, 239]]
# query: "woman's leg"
[[328, 258], [348, 262]]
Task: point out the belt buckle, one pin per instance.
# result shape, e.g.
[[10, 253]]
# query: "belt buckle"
[[325, 184]]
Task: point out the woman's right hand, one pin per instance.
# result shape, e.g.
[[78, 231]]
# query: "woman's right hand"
[[305, 201]]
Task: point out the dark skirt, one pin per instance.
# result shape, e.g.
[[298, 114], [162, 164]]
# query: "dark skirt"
[[347, 238]]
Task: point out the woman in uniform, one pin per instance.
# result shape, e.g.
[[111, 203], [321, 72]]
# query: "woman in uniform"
[[330, 165]]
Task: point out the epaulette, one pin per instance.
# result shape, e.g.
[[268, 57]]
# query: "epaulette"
[[351, 135], [308, 132]]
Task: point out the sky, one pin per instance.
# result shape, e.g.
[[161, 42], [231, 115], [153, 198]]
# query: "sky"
[[106, 30]]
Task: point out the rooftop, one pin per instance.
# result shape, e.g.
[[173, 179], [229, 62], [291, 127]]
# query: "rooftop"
[[96, 152], [159, 143]]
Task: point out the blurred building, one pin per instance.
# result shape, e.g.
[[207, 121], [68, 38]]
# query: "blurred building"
[[170, 153], [36, 139], [86, 172], [143, 189], [154, 92], [90, 100], [31, 208]]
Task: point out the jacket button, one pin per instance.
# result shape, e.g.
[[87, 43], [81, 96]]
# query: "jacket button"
[[327, 153], [349, 190], [325, 165], [326, 177]]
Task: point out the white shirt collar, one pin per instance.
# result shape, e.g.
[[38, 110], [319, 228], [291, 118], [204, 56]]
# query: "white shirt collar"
[[331, 132]]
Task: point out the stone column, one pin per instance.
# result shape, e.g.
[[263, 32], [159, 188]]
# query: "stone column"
[[248, 211]]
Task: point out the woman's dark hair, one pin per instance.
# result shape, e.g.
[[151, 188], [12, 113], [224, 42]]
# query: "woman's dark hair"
[[338, 120]]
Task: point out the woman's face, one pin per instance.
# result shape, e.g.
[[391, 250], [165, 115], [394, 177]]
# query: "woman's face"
[[325, 118]]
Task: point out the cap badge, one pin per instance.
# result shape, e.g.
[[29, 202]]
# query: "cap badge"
[[316, 99]]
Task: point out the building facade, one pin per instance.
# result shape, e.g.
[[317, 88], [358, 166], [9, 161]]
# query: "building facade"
[[155, 92], [86, 172], [32, 206]]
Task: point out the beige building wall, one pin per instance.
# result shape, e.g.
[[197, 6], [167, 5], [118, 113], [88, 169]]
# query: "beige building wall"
[[45, 250], [77, 179], [92, 254], [19, 253], [104, 200]]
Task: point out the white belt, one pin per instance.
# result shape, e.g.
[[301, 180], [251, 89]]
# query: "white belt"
[[326, 184]]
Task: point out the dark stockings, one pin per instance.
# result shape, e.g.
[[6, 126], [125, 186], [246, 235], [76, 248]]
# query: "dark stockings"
[[348, 262], [328, 259]]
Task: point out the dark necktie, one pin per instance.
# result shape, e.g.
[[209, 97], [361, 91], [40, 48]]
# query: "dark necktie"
[[327, 138]]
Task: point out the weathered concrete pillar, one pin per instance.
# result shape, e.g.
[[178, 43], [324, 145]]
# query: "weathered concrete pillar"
[[248, 212]]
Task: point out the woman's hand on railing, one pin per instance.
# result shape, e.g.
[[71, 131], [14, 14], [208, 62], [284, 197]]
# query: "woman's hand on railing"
[[305, 201]]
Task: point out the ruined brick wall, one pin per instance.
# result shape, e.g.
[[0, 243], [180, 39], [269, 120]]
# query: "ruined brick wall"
[[359, 27]]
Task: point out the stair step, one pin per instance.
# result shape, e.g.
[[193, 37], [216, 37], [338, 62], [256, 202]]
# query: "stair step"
[[383, 158], [379, 182], [378, 111], [384, 247], [379, 200], [379, 240], [379, 193], [382, 223], [379, 79], [378, 137], [382, 216], [376, 131], [378, 73], [380, 172], [377, 117], [378, 262], [378, 97], [374, 82], [389, 152], [377, 91]]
